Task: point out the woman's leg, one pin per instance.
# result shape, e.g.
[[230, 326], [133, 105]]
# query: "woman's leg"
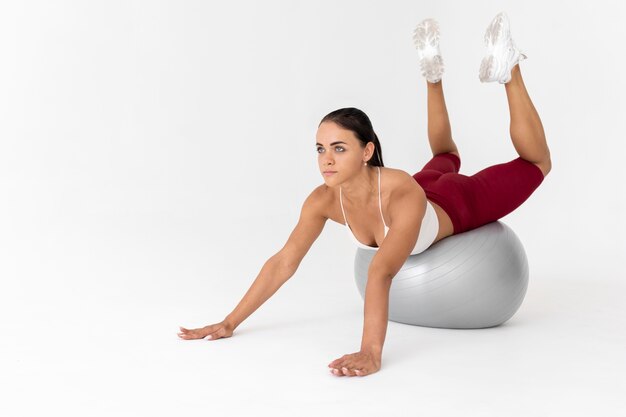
[[496, 191], [439, 130], [526, 129], [445, 153], [426, 38]]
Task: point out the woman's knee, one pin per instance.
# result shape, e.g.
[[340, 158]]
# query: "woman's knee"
[[544, 166]]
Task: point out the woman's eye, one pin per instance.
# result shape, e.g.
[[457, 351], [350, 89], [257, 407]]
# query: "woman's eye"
[[336, 148]]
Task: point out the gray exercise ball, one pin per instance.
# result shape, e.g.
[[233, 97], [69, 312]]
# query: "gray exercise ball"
[[470, 280]]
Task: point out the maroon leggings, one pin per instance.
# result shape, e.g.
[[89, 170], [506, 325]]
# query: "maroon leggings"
[[484, 197]]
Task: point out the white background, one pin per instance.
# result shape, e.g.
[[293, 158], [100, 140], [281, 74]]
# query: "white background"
[[153, 155]]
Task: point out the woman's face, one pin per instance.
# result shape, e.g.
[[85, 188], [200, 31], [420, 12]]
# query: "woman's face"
[[339, 151]]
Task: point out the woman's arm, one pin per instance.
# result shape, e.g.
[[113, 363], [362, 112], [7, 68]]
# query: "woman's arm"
[[407, 212], [282, 266], [407, 208], [275, 272]]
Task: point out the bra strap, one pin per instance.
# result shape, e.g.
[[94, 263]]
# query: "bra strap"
[[342, 211], [380, 201]]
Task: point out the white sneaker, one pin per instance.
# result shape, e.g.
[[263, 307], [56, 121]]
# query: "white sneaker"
[[502, 55], [426, 38]]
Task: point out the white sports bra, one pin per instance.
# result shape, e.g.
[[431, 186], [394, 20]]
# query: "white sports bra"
[[428, 230]]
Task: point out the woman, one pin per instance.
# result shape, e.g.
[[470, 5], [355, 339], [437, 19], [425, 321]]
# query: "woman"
[[394, 213]]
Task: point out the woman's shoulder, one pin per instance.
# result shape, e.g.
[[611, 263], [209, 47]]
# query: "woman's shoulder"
[[397, 180], [320, 199], [402, 185], [395, 173]]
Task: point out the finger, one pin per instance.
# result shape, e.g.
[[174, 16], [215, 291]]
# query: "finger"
[[347, 371], [347, 363], [339, 362], [343, 358], [192, 334], [215, 334], [185, 330], [205, 331], [199, 335]]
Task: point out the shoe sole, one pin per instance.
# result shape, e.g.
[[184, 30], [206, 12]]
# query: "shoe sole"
[[427, 32], [426, 38], [497, 28], [490, 65], [432, 69]]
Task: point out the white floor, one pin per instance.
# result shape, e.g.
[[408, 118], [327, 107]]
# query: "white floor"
[[88, 327]]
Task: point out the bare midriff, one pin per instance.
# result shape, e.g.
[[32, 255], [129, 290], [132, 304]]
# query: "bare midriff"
[[445, 224]]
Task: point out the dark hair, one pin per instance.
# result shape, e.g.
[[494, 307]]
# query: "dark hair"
[[356, 121]]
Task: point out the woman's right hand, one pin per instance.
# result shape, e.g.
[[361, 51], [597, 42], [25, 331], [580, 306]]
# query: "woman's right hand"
[[211, 332]]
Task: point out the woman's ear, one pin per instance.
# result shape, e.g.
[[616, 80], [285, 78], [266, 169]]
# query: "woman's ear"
[[369, 150]]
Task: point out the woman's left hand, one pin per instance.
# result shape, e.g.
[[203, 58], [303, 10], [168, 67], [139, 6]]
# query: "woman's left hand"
[[356, 364]]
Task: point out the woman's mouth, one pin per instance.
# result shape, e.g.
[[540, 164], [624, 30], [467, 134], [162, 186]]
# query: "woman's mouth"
[[328, 173]]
